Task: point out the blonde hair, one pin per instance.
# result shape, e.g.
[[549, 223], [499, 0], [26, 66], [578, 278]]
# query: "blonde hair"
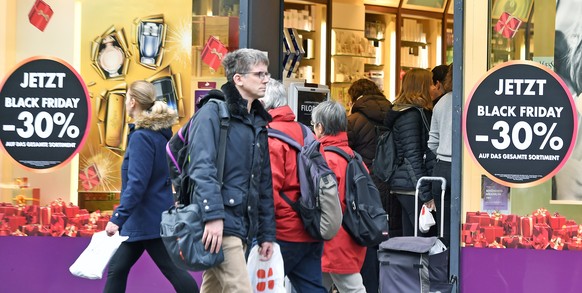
[[415, 89], [144, 93]]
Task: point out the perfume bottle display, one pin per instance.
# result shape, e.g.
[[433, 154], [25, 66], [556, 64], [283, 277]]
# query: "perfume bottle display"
[[166, 92], [111, 57], [149, 42]]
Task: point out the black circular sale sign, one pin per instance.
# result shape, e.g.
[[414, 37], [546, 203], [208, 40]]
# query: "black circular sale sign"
[[520, 123], [45, 113]]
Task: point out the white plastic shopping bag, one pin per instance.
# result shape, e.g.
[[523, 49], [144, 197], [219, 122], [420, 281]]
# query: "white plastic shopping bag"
[[93, 260], [266, 276], [425, 220]]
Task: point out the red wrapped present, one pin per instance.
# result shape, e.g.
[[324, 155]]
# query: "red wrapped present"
[[512, 225], [59, 219], [470, 232], [574, 244], [571, 228], [90, 177], [87, 231], [527, 224], [561, 233], [15, 222], [1, 217], [480, 241], [71, 231], [44, 231], [213, 53], [40, 14], [557, 221], [542, 233], [71, 210], [510, 241], [18, 233], [5, 231], [7, 209], [495, 244], [481, 218], [557, 243], [102, 223], [541, 216], [525, 243], [507, 25], [58, 205], [492, 233], [497, 219], [57, 230], [45, 216], [32, 214], [30, 230]]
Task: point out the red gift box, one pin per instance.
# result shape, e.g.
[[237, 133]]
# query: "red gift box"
[[507, 25], [510, 241], [8, 209], [71, 231], [492, 233], [15, 222], [44, 231], [90, 177], [541, 216], [557, 243], [542, 233], [574, 244], [512, 225], [213, 52], [571, 228], [59, 219], [495, 244], [470, 232], [45, 216], [18, 233], [40, 14], [87, 231], [481, 218], [480, 241], [30, 230], [32, 214], [527, 224], [525, 243], [497, 219], [71, 210], [557, 221], [102, 223]]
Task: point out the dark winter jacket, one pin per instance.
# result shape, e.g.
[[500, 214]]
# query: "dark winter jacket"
[[245, 200], [410, 137], [367, 113], [146, 190]]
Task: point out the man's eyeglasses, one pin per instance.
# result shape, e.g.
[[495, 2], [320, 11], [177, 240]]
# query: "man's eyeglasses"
[[260, 74]]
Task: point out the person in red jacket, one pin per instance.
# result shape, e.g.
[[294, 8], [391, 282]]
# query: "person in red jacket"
[[301, 253], [342, 256]]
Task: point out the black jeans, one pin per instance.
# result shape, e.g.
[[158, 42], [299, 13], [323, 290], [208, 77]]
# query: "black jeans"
[[128, 254], [443, 169]]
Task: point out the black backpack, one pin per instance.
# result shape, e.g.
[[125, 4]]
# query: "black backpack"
[[318, 206], [178, 159], [386, 161], [364, 218]]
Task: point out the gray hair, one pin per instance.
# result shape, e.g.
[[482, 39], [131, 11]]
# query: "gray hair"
[[332, 115], [275, 95], [241, 61]]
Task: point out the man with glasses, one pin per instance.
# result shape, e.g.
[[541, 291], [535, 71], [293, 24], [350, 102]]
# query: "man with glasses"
[[242, 208]]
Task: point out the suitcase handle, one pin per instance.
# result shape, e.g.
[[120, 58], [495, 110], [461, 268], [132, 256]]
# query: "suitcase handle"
[[443, 187]]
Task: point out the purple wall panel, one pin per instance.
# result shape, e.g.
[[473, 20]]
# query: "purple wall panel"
[[41, 264], [520, 270]]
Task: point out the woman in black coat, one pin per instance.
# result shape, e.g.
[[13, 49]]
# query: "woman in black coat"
[[410, 129], [368, 109]]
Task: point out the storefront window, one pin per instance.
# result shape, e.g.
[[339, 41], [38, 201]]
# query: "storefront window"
[[215, 31]]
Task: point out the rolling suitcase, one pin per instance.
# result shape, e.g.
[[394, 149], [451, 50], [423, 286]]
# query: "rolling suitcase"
[[416, 264]]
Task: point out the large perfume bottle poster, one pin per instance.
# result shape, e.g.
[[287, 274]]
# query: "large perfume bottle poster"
[[122, 42]]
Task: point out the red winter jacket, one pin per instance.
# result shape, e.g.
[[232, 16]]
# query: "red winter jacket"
[[284, 169], [341, 255]]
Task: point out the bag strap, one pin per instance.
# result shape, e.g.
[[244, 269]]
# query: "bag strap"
[[339, 151]]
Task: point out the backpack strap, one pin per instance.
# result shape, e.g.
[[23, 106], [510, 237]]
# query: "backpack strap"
[[340, 152], [224, 123]]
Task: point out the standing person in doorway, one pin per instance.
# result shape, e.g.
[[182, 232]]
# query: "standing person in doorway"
[[242, 207], [410, 132], [301, 253], [342, 256], [440, 143], [437, 90], [368, 109], [146, 191]]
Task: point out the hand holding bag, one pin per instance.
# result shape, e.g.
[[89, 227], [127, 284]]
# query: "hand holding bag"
[[93, 260], [266, 276], [425, 220]]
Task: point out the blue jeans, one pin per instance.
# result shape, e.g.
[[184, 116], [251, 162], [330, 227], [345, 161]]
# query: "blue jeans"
[[128, 254], [302, 262]]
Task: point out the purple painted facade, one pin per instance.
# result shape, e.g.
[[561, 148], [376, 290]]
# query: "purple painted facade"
[[41, 264]]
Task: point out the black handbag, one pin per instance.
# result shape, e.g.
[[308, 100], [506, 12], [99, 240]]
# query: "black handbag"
[[182, 226]]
